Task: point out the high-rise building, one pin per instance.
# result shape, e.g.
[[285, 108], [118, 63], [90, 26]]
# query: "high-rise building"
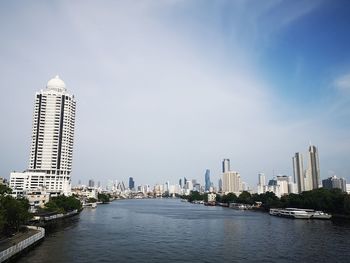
[[91, 183], [180, 183], [298, 171], [131, 183], [220, 185], [231, 182], [207, 180], [273, 187], [53, 131], [334, 182], [283, 181], [51, 150], [226, 165], [262, 183], [313, 172]]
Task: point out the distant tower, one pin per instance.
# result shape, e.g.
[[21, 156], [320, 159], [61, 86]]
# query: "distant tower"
[[226, 165], [262, 179], [262, 183], [299, 172], [180, 183], [220, 185], [207, 180], [91, 183], [131, 183], [314, 167]]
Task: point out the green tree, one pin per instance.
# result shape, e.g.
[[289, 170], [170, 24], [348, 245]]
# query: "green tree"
[[347, 204], [4, 189], [195, 196], [229, 198], [245, 198], [14, 213], [92, 200], [63, 204], [104, 198]]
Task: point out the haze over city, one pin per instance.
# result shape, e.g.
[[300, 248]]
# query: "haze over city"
[[168, 89]]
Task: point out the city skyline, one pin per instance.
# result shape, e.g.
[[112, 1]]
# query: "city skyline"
[[166, 94]]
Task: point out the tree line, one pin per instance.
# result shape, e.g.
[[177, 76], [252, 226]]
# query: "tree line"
[[332, 201]]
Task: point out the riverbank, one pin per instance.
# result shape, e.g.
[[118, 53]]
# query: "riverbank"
[[14, 246]]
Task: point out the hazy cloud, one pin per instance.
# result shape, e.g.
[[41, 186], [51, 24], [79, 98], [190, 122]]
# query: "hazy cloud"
[[164, 89], [342, 83]]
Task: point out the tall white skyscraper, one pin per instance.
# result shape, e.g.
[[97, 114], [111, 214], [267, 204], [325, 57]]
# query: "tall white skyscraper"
[[51, 150], [313, 168], [53, 130], [262, 183], [299, 172]]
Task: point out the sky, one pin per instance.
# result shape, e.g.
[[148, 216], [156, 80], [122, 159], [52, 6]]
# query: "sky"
[[168, 89]]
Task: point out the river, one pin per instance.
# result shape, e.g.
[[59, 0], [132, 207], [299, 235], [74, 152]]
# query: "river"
[[167, 230]]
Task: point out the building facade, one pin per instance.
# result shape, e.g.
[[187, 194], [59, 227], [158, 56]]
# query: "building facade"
[[231, 182], [51, 151], [313, 172], [298, 171], [334, 182], [261, 183]]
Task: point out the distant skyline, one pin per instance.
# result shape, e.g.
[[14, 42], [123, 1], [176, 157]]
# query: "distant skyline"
[[168, 89]]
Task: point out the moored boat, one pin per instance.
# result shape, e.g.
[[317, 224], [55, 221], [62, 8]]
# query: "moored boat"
[[299, 213], [321, 215], [290, 213]]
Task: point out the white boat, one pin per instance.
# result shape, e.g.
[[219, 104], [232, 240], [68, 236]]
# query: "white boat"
[[291, 213], [321, 215], [299, 213]]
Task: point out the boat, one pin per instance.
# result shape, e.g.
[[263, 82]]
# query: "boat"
[[321, 215], [291, 213], [239, 206], [299, 213]]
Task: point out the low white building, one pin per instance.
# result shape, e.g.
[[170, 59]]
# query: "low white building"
[[54, 184]]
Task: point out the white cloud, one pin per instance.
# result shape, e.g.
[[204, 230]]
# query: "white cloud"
[[342, 83], [155, 102]]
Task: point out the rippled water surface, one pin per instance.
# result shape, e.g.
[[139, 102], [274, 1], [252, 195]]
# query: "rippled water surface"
[[167, 230]]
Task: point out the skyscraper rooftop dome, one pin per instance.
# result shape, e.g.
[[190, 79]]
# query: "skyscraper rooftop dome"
[[56, 84]]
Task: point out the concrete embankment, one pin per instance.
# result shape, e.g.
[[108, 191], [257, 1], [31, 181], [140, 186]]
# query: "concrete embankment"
[[19, 243]]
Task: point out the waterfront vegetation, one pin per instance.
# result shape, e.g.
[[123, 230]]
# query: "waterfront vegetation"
[[13, 212], [104, 198], [331, 201], [62, 204], [92, 200]]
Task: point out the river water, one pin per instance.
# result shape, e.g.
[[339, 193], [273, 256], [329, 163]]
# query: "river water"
[[167, 230]]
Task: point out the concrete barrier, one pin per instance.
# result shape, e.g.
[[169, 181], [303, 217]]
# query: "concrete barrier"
[[19, 247]]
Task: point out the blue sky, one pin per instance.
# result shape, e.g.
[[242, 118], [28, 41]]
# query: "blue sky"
[[167, 89]]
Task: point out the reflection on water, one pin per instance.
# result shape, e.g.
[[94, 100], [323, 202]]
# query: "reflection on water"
[[169, 230]]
